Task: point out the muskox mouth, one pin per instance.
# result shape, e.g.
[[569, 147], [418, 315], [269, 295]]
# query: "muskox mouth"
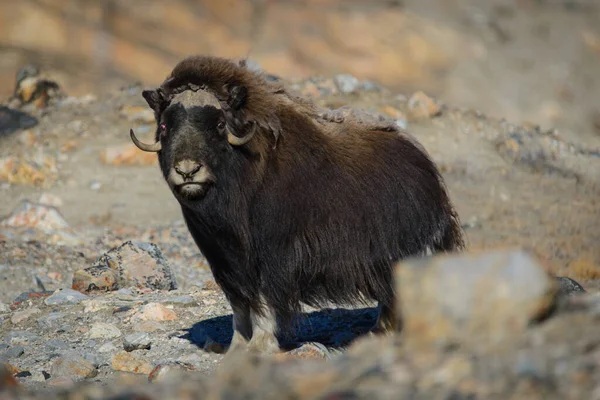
[[191, 190]]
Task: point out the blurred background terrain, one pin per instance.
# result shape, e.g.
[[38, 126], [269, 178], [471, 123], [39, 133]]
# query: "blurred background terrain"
[[503, 94], [524, 60]]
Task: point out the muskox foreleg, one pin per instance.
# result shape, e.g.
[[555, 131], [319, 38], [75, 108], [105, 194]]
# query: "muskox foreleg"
[[264, 329], [242, 328]]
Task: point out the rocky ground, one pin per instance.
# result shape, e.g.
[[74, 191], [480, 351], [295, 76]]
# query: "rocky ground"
[[83, 209]]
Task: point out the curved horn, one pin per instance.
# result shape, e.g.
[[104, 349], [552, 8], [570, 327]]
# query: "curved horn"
[[151, 148], [239, 141]]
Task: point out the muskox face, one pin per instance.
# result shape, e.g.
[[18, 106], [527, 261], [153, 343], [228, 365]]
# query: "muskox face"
[[193, 141]]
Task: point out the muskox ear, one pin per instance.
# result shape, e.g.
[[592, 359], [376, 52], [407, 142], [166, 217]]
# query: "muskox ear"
[[153, 98], [238, 95]]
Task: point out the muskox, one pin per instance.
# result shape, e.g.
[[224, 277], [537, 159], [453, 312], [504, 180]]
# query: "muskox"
[[292, 204]]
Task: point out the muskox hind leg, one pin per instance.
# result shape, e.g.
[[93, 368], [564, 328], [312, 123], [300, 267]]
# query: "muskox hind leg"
[[386, 320], [264, 329]]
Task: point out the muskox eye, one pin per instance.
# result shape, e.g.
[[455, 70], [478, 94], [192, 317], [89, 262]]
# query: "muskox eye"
[[221, 126]]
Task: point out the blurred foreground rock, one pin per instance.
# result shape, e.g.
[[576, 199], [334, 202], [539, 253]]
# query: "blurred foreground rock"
[[476, 326], [131, 264]]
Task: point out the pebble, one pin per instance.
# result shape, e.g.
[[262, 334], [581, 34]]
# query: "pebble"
[[369, 86], [346, 83], [155, 312], [309, 351], [15, 337], [50, 199], [95, 185], [181, 301], [94, 305], [39, 376], [193, 359], [12, 352], [569, 287], [127, 362], [148, 326], [101, 330], [4, 308], [108, 347], [52, 320], [65, 296], [30, 295], [20, 316], [94, 359], [422, 106], [73, 367], [23, 374], [137, 341], [56, 344]]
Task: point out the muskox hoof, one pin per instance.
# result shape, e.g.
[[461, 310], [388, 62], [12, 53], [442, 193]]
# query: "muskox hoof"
[[264, 344], [238, 343]]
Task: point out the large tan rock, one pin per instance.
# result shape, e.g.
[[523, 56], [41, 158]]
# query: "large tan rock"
[[476, 299]]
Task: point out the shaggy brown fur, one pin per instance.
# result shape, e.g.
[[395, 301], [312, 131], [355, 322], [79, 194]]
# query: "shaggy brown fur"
[[315, 208]]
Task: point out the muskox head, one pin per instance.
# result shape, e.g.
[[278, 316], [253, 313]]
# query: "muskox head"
[[196, 133]]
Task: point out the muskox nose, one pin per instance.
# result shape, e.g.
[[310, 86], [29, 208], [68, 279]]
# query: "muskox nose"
[[187, 168]]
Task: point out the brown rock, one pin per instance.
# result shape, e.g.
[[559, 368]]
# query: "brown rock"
[[155, 312], [127, 155], [127, 362], [147, 326], [483, 298], [131, 264], [95, 278], [422, 106], [73, 367]]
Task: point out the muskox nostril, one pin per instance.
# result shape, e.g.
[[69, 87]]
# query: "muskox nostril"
[[187, 168]]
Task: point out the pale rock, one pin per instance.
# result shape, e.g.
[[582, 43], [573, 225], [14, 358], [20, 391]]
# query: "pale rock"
[[50, 199], [101, 330], [108, 347], [137, 341], [20, 316], [155, 312], [65, 296]]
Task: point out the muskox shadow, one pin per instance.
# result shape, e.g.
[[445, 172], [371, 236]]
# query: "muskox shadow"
[[334, 328]]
